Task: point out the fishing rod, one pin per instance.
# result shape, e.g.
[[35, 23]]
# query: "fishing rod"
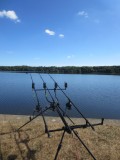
[[56, 106], [70, 102], [45, 88], [64, 113], [55, 88], [37, 107], [34, 91], [52, 106], [65, 128]]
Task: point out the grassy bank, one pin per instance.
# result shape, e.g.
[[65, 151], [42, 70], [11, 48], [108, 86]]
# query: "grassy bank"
[[32, 143]]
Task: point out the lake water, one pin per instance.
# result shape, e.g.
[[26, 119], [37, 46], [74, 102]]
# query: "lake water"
[[95, 95]]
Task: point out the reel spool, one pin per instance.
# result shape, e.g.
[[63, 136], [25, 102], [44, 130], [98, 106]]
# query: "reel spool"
[[68, 105]]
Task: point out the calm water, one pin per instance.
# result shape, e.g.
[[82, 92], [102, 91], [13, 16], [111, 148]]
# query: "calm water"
[[95, 95]]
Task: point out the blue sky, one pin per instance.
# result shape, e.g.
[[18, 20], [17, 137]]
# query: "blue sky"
[[59, 32]]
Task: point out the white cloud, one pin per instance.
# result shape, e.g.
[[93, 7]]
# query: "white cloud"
[[49, 32], [61, 35], [9, 14], [83, 13]]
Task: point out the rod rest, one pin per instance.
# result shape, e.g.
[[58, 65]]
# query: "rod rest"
[[77, 126]]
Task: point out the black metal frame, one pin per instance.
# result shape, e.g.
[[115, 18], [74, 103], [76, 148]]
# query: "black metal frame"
[[55, 106]]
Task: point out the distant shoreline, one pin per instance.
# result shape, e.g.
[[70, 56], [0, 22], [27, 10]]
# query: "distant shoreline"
[[95, 70]]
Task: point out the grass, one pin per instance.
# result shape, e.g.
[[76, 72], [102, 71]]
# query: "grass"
[[31, 143]]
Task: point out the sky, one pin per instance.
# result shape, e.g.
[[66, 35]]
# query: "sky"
[[59, 32]]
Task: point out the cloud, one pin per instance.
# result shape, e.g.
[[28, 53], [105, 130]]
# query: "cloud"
[[52, 33], [49, 32], [10, 15], [61, 35], [83, 14]]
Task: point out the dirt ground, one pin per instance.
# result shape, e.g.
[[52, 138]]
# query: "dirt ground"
[[31, 142]]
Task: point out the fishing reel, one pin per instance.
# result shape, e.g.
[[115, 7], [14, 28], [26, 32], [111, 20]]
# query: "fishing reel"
[[33, 85], [53, 105], [37, 108], [65, 85], [44, 85], [69, 105], [55, 86]]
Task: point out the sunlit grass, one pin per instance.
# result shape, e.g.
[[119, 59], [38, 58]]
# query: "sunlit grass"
[[32, 143]]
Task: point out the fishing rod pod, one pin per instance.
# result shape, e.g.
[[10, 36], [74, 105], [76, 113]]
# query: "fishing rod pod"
[[55, 106]]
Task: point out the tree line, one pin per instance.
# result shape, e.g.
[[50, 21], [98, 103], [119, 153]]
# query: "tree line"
[[65, 69]]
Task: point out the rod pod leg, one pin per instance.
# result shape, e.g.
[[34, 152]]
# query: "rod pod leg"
[[31, 119], [59, 146], [46, 127]]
